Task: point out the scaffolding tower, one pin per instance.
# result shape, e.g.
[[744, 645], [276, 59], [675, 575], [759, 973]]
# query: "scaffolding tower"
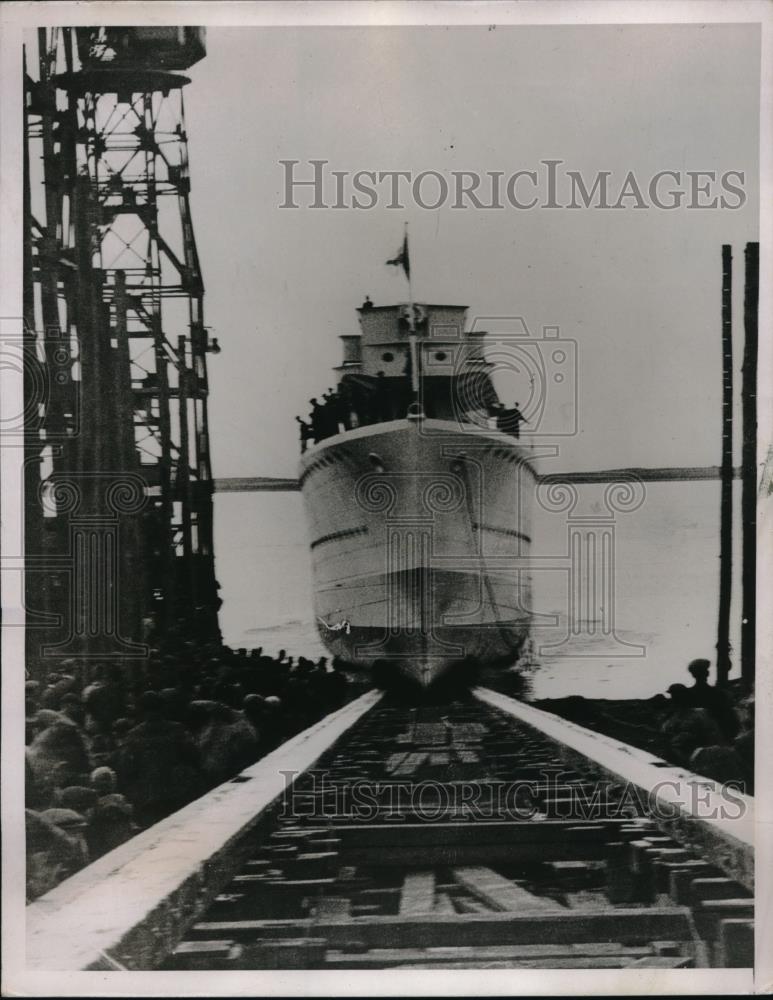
[[118, 480]]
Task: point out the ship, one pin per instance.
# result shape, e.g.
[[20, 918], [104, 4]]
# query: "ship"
[[417, 493]]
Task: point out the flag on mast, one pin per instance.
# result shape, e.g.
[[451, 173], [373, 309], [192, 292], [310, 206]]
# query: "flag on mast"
[[403, 259]]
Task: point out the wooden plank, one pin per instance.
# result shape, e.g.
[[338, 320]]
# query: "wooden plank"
[[289, 953], [715, 888], [681, 878], [735, 945], [499, 892], [379, 895], [728, 907], [404, 855], [538, 964], [528, 951], [664, 962], [471, 961], [464, 904], [489, 832], [437, 930], [418, 894], [203, 955], [543, 956], [711, 912], [333, 907], [443, 903]]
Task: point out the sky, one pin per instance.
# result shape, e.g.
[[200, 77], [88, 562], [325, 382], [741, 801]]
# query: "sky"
[[637, 290]]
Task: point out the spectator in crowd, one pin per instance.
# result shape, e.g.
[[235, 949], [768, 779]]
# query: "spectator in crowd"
[[52, 854], [714, 700], [688, 728], [112, 816], [102, 701], [58, 748], [158, 764], [743, 744], [225, 740]]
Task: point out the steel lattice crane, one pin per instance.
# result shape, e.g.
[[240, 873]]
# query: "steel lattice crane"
[[118, 474]]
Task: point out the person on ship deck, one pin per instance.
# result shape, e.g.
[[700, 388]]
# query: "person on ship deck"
[[317, 421], [305, 433], [509, 421]]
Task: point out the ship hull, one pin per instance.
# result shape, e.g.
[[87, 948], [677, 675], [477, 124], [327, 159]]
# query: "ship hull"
[[420, 534]]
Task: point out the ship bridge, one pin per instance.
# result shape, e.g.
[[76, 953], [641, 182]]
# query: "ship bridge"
[[452, 374]]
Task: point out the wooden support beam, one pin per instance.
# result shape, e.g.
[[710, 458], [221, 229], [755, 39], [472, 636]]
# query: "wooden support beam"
[[735, 944], [499, 892], [298, 953], [405, 856], [715, 888], [680, 879], [443, 903], [664, 962], [465, 904], [711, 912], [537, 956], [418, 893], [204, 956], [438, 930], [333, 907], [510, 832]]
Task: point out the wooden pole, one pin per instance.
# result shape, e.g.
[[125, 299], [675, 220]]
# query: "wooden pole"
[[749, 466], [726, 500]]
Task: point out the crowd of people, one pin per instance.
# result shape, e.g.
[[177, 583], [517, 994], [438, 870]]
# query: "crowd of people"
[[111, 751], [704, 728], [338, 411], [708, 730], [355, 404]]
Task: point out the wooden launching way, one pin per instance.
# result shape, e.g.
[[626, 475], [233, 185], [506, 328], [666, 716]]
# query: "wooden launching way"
[[481, 833], [453, 836]]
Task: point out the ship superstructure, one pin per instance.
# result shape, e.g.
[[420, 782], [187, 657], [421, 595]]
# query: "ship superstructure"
[[418, 507]]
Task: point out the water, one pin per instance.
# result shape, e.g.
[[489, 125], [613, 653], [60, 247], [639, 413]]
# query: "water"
[[666, 587]]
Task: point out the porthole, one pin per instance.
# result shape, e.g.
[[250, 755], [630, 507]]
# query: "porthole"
[[440, 356], [387, 356]]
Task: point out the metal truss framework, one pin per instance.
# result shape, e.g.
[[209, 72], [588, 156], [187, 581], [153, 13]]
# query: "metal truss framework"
[[115, 347]]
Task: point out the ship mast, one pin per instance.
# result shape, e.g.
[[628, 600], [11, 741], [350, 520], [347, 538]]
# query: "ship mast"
[[403, 260], [415, 375]]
